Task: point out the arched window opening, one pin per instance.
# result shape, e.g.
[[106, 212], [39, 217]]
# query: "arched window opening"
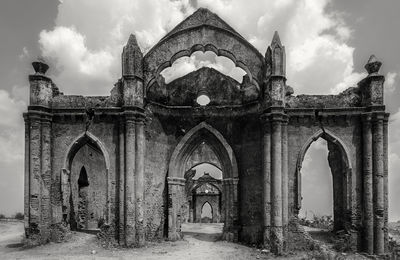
[[199, 59], [83, 179], [207, 169]]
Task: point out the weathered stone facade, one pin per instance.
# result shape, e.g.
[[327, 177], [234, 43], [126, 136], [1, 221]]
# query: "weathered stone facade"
[[145, 132]]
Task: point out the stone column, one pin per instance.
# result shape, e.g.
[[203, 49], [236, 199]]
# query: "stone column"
[[285, 178], [139, 182], [266, 182], [34, 175], [45, 175], [378, 158], [121, 154], [385, 180], [26, 174], [368, 186], [176, 187], [130, 230], [276, 187]]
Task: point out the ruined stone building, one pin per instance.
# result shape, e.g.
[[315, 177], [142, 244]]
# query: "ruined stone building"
[[125, 160]]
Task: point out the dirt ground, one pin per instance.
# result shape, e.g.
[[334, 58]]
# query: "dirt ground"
[[201, 241]]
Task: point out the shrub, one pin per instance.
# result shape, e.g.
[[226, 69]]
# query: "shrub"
[[2, 216], [19, 216]]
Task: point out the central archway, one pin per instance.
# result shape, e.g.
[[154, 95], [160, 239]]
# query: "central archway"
[[176, 180]]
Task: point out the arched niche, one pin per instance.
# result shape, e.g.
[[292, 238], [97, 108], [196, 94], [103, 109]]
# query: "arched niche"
[[337, 146], [176, 181], [73, 148], [223, 41]]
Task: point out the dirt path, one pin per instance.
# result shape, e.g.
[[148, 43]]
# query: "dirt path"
[[201, 241]]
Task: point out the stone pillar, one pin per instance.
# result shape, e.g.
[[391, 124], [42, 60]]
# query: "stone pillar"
[[368, 186], [276, 186], [266, 182], [121, 154], [140, 154], [133, 93], [26, 174], [130, 140], [45, 175], [378, 168], [385, 180], [176, 195], [38, 155], [34, 176], [285, 177]]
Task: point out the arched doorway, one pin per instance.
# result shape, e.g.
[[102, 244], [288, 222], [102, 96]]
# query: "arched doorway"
[[341, 177], [177, 199], [206, 213], [85, 184]]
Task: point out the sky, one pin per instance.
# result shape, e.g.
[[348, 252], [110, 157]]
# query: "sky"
[[327, 44]]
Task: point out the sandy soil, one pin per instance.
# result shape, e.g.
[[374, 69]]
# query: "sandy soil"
[[201, 241]]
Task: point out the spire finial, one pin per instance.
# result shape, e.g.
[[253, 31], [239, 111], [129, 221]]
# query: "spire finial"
[[132, 41], [276, 40], [373, 65]]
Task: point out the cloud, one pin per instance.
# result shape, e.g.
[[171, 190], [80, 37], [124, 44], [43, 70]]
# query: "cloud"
[[390, 82], [86, 43], [319, 60], [11, 153], [394, 165], [24, 53]]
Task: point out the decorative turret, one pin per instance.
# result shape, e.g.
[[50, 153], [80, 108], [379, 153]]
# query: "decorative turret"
[[132, 59], [372, 86], [276, 57], [41, 87], [275, 71], [132, 74]]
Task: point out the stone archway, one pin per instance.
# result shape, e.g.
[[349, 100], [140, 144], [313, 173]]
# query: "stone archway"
[[176, 181], [338, 158], [68, 181]]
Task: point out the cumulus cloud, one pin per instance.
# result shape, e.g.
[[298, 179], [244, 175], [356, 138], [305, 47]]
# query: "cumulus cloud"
[[394, 165], [319, 60], [390, 82], [86, 42]]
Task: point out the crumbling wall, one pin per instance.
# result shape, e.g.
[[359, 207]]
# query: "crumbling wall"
[[66, 129]]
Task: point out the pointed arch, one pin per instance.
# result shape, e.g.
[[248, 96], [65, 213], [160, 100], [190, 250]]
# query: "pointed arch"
[[73, 148], [348, 173], [330, 137], [190, 141], [202, 208], [80, 141]]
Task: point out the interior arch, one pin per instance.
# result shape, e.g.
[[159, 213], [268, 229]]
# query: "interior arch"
[[177, 182]]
